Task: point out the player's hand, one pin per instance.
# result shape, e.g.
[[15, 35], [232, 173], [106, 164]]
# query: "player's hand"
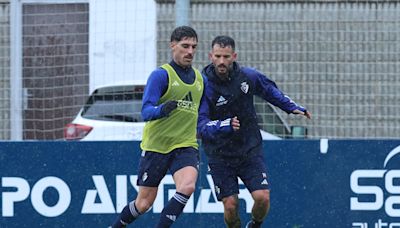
[[169, 106], [306, 113], [235, 123]]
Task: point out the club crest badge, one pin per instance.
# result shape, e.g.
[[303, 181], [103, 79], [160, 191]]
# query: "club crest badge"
[[217, 189], [198, 86], [244, 87]]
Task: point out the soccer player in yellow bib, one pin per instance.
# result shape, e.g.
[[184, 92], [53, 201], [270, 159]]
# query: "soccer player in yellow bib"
[[170, 108]]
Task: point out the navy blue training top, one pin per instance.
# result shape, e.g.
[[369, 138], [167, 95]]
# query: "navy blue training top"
[[225, 99]]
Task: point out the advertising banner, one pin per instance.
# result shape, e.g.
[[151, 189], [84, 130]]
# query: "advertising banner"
[[314, 183]]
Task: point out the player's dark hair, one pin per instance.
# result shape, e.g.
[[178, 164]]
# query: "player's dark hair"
[[183, 31], [224, 41]]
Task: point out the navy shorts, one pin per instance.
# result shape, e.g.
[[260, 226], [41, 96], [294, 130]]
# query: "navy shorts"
[[251, 170], [153, 166]]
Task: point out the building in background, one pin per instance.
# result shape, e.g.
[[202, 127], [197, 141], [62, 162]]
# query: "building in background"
[[62, 50]]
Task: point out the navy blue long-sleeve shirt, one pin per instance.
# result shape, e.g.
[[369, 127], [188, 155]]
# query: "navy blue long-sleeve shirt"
[[224, 100]]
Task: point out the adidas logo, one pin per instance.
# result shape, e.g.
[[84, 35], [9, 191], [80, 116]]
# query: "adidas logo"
[[175, 83], [188, 97], [221, 101], [264, 182], [171, 217]]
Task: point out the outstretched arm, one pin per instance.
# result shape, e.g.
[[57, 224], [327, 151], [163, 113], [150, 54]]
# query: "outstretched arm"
[[305, 113], [268, 90]]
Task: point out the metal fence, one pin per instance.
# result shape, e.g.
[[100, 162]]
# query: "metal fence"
[[4, 71], [340, 59]]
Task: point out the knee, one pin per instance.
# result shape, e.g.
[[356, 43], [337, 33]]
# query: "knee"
[[143, 205], [185, 180], [187, 188], [261, 197]]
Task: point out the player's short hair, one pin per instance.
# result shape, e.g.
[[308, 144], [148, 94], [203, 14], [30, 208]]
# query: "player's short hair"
[[224, 41], [183, 31]]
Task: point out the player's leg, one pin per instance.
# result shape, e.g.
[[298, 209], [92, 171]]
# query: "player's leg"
[[253, 173], [139, 206], [231, 211], [185, 180], [184, 167], [226, 188], [152, 168], [260, 208]]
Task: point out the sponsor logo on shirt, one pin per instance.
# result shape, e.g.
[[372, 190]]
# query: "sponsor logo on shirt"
[[187, 102]]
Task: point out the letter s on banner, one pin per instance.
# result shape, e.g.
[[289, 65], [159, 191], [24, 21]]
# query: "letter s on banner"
[[361, 189]]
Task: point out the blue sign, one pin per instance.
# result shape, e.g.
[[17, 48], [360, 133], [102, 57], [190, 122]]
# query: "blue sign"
[[314, 183]]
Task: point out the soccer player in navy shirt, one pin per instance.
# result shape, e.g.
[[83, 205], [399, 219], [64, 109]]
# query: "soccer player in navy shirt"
[[170, 108], [230, 133]]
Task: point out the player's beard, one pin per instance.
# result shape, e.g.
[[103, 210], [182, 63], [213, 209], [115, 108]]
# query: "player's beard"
[[222, 71]]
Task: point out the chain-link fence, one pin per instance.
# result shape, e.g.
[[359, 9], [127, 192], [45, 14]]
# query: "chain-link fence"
[[340, 59]]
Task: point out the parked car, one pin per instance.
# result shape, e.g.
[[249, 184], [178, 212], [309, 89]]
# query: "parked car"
[[113, 112]]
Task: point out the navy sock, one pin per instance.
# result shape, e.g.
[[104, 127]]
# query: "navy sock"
[[172, 210], [127, 216]]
